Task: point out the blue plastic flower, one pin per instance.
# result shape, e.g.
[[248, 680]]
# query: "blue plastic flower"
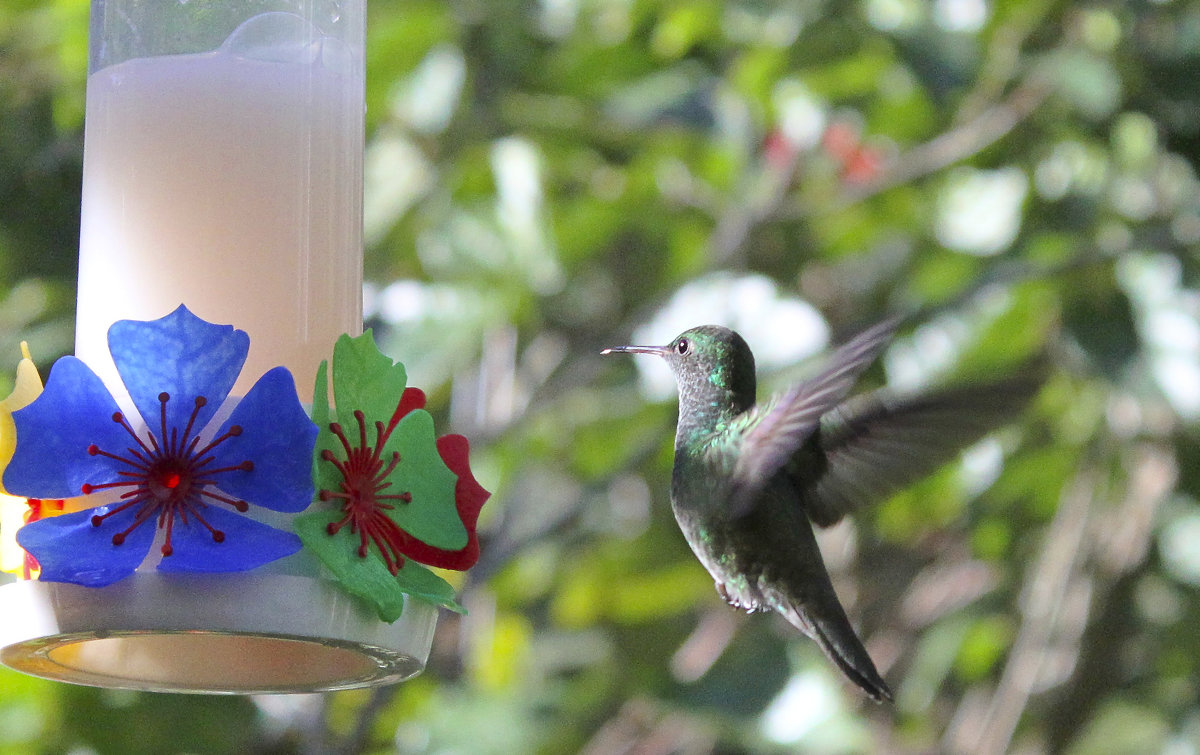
[[167, 473]]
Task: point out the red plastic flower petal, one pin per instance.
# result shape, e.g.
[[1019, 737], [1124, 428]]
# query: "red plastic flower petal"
[[469, 497]]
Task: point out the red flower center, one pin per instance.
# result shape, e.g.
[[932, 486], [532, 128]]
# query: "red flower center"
[[364, 478], [169, 477]]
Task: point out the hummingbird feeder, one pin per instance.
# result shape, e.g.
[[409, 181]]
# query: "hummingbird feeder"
[[188, 517]]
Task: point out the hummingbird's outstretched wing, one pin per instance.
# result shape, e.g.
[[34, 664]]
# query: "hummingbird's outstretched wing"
[[875, 446], [772, 432]]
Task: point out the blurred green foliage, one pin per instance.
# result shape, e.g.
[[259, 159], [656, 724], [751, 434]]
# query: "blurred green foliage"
[[544, 177]]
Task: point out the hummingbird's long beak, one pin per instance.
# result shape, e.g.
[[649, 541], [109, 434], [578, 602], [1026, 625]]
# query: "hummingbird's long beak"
[[656, 350]]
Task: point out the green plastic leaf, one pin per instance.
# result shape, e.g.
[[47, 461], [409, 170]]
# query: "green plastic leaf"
[[420, 582], [432, 517], [325, 475], [367, 577], [364, 379]]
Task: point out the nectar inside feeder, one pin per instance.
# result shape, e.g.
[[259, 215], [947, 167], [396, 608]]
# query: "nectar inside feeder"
[[212, 537]]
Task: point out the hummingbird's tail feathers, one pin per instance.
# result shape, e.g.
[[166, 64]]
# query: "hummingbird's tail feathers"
[[837, 639], [772, 432], [876, 446]]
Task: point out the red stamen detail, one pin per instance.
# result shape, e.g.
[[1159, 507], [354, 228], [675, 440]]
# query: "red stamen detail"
[[233, 432], [167, 550], [169, 478], [364, 476], [245, 466], [95, 450], [234, 502], [199, 404]]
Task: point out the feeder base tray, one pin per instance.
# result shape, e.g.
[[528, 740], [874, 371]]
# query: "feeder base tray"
[[224, 634]]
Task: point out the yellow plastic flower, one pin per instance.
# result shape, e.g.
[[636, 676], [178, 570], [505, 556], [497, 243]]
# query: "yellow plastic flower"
[[17, 511], [28, 387]]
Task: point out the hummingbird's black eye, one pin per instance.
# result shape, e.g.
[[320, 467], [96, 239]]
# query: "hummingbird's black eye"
[[683, 346]]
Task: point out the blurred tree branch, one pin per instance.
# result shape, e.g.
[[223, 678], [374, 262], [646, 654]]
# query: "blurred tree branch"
[[1047, 583], [1087, 549]]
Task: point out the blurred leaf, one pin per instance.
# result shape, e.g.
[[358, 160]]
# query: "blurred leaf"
[[983, 646], [932, 503], [118, 721], [1121, 728], [1088, 81], [1017, 336]]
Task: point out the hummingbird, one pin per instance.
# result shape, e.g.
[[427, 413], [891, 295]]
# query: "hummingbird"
[[750, 480]]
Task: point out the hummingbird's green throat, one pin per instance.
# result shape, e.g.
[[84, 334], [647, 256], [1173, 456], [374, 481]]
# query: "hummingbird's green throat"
[[714, 369]]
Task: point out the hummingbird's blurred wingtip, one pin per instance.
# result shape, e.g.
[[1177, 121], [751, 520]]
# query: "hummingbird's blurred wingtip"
[[882, 693]]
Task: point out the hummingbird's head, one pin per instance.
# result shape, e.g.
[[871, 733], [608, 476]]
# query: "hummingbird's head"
[[711, 363]]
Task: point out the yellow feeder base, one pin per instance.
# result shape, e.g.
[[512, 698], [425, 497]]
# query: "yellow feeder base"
[[215, 634]]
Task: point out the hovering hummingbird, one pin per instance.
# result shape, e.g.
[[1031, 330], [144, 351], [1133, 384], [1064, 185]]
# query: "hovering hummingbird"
[[750, 480]]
